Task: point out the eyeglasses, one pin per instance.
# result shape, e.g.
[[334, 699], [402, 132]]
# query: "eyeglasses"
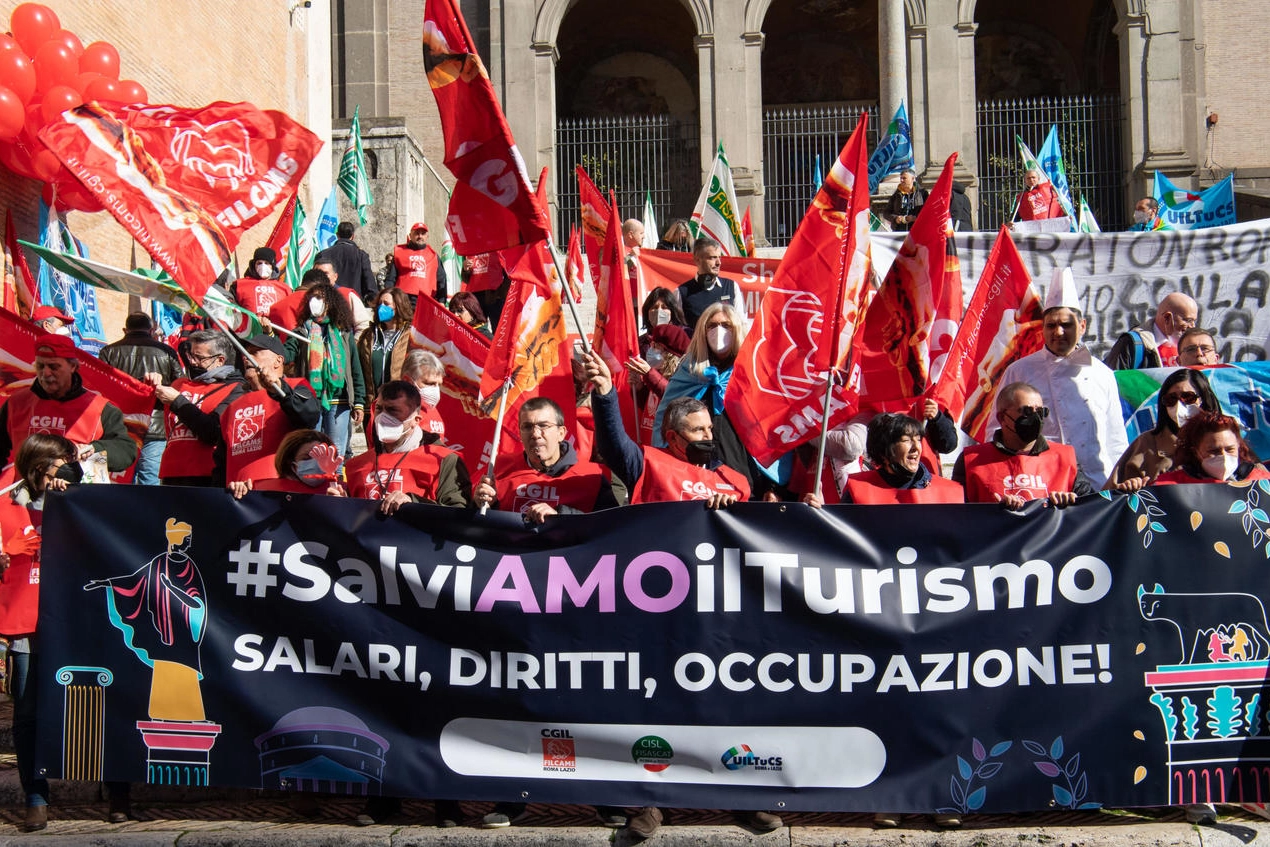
[[1041, 412], [1187, 397], [199, 360], [538, 427], [1203, 349]]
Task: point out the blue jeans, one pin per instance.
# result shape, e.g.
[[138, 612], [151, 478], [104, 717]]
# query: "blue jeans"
[[148, 463], [334, 422], [22, 685]]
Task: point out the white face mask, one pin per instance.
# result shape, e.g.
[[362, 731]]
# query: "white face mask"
[[720, 339], [388, 428], [1220, 467], [431, 394], [264, 270], [317, 307], [661, 316], [1183, 412], [1140, 217]]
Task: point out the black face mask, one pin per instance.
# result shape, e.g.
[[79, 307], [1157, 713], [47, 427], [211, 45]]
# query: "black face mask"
[[700, 452], [195, 371], [1027, 426]]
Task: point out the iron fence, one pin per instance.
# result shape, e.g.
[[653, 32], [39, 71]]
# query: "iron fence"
[[792, 139], [630, 155], [1089, 132]]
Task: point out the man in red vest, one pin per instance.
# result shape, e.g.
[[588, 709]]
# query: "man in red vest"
[[1019, 464], [415, 268], [254, 425], [195, 454], [1038, 201], [260, 289], [58, 403], [406, 464], [689, 468], [546, 478]]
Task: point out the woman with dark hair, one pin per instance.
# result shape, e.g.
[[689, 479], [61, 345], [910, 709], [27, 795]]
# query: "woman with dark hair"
[[328, 358], [1211, 448], [468, 309], [383, 346], [894, 448], [306, 463], [43, 463], [1184, 394]]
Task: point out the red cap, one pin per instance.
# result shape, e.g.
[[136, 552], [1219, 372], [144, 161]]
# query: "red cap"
[[50, 345], [421, 226], [42, 312]]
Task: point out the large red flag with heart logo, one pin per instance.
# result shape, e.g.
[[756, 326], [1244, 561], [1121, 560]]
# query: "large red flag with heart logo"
[[186, 183], [808, 317], [492, 205]]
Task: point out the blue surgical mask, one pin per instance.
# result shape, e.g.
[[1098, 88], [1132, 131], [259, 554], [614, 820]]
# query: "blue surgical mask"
[[385, 313]]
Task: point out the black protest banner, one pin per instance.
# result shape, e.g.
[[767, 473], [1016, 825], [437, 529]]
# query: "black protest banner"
[[906, 658]]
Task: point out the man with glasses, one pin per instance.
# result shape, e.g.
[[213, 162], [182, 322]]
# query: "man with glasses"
[[1197, 348], [1156, 344], [195, 453], [1019, 464], [547, 478]]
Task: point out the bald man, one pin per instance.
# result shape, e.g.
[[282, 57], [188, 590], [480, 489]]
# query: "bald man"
[[1154, 345]]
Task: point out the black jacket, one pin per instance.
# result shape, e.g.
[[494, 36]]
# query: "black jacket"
[[137, 354], [353, 266]]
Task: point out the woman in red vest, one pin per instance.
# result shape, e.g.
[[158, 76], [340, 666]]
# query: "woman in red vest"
[[307, 462], [1210, 448], [894, 448], [43, 463]]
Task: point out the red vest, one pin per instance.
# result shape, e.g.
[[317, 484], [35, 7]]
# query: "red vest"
[[291, 486], [78, 419], [667, 478], [260, 295], [185, 455], [253, 427], [1040, 203], [990, 471], [522, 486], [416, 269], [486, 272], [869, 489], [286, 312], [372, 476], [20, 588]]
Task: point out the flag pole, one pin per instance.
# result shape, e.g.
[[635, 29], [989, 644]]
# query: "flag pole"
[[564, 295], [824, 437], [498, 432]]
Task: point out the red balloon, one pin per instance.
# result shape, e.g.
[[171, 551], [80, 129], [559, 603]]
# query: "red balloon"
[[12, 115], [71, 40], [100, 57], [15, 158], [84, 80], [17, 74], [55, 64], [103, 90], [46, 165], [131, 91], [58, 99], [32, 25], [7, 42]]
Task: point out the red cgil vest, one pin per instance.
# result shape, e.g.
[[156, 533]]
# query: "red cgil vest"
[[78, 419], [253, 426], [523, 486], [989, 472], [869, 489], [667, 478], [372, 476], [185, 455], [416, 269]]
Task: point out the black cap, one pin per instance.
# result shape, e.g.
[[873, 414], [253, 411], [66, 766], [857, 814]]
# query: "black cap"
[[265, 254], [267, 342]]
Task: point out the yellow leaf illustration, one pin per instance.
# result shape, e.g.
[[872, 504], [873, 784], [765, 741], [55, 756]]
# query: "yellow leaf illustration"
[[1141, 648], [1196, 520], [1222, 549], [1139, 774], [1137, 733], [1143, 520]]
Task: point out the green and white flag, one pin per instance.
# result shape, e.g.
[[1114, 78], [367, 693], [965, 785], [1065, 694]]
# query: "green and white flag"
[[352, 179], [299, 247], [715, 215], [452, 263], [1030, 162], [1088, 223], [650, 222]]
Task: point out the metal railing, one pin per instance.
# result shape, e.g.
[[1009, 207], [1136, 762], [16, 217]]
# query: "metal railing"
[[792, 138], [1089, 132], [631, 155]]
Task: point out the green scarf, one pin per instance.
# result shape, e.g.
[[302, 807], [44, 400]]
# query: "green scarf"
[[326, 372]]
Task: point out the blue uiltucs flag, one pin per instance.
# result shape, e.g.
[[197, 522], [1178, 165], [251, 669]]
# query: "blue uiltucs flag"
[[894, 152], [1183, 209]]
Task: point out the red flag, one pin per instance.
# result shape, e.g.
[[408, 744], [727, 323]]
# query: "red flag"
[[186, 183], [616, 335], [280, 239], [595, 220], [747, 232], [26, 293], [492, 205], [913, 319], [1002, 324], [808, 316], [527, 343], [575, 271]]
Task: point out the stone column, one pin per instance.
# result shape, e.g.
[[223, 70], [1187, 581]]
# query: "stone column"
[[705, 88], [362, 44], [892, 61], [948, 90]]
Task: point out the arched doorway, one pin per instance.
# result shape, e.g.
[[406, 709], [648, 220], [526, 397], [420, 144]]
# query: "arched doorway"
[[820, 69], [627, 106], [1034, 70]]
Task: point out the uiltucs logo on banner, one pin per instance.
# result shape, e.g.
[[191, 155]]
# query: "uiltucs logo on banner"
[[910, 658]]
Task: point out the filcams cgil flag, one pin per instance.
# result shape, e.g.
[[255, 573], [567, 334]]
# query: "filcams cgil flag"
[[186, 183], [492, 206]]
